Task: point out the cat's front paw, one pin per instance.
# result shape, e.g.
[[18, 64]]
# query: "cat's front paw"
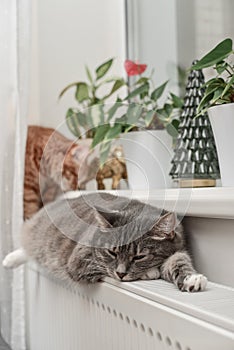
[[194, 283], [151, 274], [15, 259], [10, 261]]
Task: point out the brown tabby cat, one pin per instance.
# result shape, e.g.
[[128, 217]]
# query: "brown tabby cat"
[[52, 163], [97, 235]]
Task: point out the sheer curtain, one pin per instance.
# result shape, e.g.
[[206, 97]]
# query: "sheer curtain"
[[14, 66]]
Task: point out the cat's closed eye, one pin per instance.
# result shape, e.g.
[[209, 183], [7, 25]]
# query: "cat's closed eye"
[[139, 257]]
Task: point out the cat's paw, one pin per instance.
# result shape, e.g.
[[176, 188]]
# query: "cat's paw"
[[151, 274], [14, 259], [194, 283], [9, 262]]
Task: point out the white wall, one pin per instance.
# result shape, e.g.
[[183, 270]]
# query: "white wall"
[[66, 36], [186, 36], [213, 23]]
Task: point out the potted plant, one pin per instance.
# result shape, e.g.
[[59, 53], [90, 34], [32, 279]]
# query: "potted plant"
[[93, 110], [218, 101], [147, 140], [146, 129], [138, 111]]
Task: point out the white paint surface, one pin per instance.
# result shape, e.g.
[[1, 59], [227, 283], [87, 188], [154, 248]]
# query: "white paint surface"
[[66, 36], [152, 36]]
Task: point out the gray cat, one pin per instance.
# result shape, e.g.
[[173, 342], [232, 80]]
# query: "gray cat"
[[97, 235]]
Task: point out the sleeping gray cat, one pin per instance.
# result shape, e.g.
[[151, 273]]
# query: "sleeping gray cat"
[[97, 235]]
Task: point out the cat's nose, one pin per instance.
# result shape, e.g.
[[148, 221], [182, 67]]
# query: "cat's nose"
[[121, 274]]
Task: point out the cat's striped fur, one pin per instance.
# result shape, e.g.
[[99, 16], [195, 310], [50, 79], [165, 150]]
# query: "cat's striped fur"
[[100, 235], [51, 166]]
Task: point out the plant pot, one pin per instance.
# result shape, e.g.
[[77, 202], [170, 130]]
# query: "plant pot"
[[222, 122], [148, 155]]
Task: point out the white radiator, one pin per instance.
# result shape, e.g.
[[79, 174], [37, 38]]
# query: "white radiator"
[[151, 315]]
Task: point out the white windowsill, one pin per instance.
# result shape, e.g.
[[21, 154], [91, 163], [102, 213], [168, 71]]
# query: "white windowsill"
[[215, 202]]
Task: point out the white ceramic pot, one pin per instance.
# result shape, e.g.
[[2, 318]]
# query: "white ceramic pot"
[[222, 122], [148, 158]]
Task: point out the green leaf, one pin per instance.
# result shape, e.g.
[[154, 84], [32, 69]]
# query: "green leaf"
[[72, 122], [111, 112], [68, 87], [124, 124], [141, 89], [81, 119], [106, 81], [209, 95], [221, 67], [104, 152], [100, 134], [213, 85], [177, 101], [96, 115], [103, 68], [82, 92], [88, 73], [221, 51], [117, 85], [205, 100], [209, 82], [149, 117], [172, 128], [221, 101], [122, 120], [143, 95], [168, 109], [142, 80], [228, 86], [133, 113], [157, 93], [113, 132], [162, 114], [217, 94], [106, 135]]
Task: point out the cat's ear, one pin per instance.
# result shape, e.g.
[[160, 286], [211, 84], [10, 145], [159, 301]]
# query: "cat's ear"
[[106, 217], [165, 227]]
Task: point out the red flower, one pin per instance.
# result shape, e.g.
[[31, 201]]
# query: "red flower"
[[133, 68]]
